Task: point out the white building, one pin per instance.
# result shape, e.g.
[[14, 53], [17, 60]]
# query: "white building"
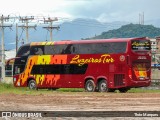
[[8, 55], [153, 45]]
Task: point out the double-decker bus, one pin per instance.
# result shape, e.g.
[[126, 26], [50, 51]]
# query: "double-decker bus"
[[95, 65]]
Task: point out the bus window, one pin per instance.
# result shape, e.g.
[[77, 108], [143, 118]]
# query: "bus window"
[[66, 49], [74, 49], [61, 49], [86, 48], [102, 48], [51, 49], [37, 50], [24, 51], [118, 47], [70, 49]]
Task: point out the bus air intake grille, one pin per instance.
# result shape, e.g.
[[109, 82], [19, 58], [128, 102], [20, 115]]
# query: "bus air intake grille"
[[118, 79]]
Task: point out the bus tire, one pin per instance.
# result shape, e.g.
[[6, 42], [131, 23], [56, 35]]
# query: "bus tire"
[[102, 86], [123, 90], [90, 86], [32, 85]]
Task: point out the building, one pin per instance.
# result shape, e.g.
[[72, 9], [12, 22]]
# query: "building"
[[158, 49], [8, 69], [155, 50], [153, 46], [158, 44]]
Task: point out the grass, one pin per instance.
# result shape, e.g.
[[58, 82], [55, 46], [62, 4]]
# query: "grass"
[[143, 90], [9, 88]]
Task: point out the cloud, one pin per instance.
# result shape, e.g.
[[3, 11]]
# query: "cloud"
[[102, 10]]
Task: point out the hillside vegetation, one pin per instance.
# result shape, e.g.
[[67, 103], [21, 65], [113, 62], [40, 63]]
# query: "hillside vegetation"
[[131, 30]]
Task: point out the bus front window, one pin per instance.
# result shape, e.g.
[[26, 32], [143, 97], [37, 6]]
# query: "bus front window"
[[23, 51], [21, 59]]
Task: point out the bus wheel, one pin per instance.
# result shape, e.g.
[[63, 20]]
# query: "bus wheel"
[[103, 86], [123, 90], [32, 85], [90, 86]]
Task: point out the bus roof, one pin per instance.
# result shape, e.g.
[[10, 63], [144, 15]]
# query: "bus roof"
[[86, 41]]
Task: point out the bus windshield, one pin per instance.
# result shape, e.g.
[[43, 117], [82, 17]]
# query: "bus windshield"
[[140, 45], [23, 51]]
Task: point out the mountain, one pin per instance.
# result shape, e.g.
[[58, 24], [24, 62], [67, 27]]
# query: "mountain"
[[155, 23], [82, 28], [71, 30], [79, 29], [131, 30]]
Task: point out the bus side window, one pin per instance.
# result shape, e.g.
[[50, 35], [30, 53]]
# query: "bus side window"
[[119, 47], [75, 49], [37, 50], [85, 49], [70, 49], [49, 49], [52, 49]]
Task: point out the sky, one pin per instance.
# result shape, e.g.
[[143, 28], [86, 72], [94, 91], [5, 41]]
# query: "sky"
[[101, 10]]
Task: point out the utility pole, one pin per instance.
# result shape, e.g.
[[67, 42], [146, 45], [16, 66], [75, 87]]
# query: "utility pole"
[[50, 27], [26, 26], [16, 37], [2, 26], [141, 19]]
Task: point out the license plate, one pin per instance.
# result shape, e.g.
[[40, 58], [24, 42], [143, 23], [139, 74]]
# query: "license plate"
[[142, 78]]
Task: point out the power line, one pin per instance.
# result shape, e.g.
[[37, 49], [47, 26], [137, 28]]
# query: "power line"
[[26, 26], [2, 26], [50, 27]]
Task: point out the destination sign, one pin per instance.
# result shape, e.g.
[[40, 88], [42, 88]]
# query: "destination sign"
[[141, 45]]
